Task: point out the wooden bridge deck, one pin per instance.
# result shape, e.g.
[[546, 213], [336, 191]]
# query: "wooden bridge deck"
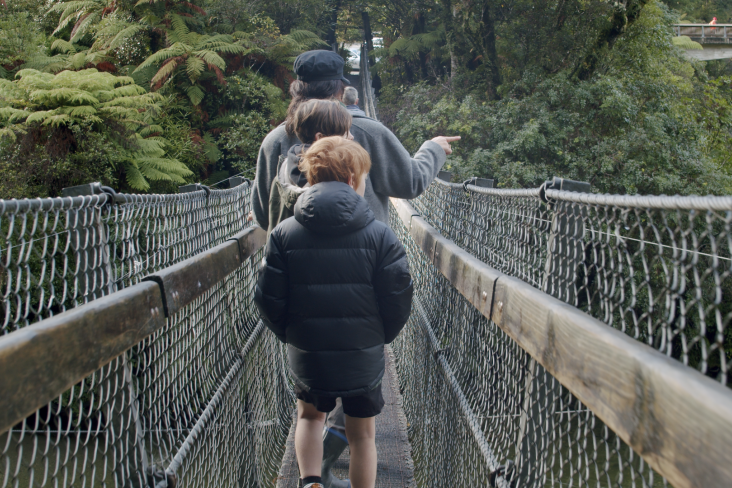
[[395, 467]]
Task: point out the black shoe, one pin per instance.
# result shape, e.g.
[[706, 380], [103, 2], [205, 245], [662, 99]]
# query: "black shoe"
[[333, 446]]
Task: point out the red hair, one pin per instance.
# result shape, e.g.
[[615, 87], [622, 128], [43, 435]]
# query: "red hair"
[[334, 158]]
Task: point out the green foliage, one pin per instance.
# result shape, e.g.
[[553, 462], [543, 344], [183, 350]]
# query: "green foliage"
[[20, 39], [685, 42], [641, 125], [255, 104], [42, 105]]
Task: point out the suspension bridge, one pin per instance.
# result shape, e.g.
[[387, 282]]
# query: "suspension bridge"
[[558, 338]]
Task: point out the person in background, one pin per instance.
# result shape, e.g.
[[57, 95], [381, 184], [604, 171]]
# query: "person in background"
[[350, 100], [335, 287]]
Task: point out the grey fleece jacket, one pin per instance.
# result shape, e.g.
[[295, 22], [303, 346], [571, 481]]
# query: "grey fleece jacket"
[[394, 173]]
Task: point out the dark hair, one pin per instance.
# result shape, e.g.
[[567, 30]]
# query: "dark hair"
[[328, 117], [334, 159], [303, 91]]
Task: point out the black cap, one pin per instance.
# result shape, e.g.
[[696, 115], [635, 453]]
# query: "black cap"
[[320, 65]]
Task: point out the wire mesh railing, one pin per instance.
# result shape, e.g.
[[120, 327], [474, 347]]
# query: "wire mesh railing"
[[58, 253], [657, 268], [484, 412], [203, 401]]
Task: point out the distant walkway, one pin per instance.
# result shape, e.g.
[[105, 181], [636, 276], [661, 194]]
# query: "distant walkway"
[[395, 468]]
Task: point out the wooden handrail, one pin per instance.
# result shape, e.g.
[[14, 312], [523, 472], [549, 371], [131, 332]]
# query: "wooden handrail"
[[40, 362], [677, 419]]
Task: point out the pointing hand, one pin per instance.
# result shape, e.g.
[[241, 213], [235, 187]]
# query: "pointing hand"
[[444, 142]]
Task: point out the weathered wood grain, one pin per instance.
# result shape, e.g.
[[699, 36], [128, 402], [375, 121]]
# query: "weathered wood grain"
[[184, 282], [41, 361], [677, 419], [250, 241]]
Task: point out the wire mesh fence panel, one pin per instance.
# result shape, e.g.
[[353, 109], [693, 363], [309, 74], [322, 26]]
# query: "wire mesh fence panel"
[[660, 270], [58, 253], [53, 257], [657, 268], [204, 399], [525, 416]]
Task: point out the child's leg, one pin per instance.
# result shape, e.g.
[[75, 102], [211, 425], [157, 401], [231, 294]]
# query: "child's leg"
[[309, 439], [361, 435]]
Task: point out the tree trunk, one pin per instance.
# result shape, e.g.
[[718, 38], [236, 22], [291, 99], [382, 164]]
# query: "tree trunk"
[[420, 27], [488, 40], [625, 14], [368, 35], [448, 15], [330, 38]]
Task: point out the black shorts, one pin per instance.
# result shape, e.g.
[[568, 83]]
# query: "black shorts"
[[362, 406]]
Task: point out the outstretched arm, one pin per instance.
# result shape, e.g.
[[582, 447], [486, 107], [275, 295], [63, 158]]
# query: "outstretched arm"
[[394, 172]]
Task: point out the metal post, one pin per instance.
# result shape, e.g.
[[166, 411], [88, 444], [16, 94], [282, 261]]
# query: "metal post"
[[90, 242], [535, 423], [86, 234], [565, 249]]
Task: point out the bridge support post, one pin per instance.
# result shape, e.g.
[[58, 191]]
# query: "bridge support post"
[[565, 253], [90, 228], [565, 250]]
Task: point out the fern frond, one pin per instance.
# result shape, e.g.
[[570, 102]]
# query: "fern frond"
[[166, 70], [7, 133], [83, 25], [63, 46], [58, 120], [11, 114], [39, 116], [151, 129], [194, 68], [179, 25], [124, 35], [195, 94], [177, 49], [129, 91], [134, 177], [211, 58]]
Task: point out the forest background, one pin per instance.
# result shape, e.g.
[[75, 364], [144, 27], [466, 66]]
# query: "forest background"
[[148, 95]]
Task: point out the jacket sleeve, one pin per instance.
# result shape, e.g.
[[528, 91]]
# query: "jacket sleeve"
[[393, 286], [394, 172], [260, 190], [270, 294]]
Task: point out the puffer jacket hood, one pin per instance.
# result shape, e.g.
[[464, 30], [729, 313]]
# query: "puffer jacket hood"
[[332, 208]]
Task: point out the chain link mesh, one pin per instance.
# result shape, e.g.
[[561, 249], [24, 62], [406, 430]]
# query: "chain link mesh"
[[205, 399], [523, 415], [58, 253], [657, 268]]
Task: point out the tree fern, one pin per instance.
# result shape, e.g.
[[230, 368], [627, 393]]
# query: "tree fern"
[[93, 99]]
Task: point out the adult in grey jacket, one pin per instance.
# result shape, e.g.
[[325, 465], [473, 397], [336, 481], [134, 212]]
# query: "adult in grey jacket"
[[394, 173]]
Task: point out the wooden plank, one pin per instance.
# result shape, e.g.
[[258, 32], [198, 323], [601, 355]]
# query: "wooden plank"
[[677, 419], [39, 362], [469, 275], [474, 279], [250, 241], [404, 210], [184, 282]]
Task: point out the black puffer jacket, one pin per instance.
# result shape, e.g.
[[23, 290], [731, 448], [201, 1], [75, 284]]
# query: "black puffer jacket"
[[335, 287]]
